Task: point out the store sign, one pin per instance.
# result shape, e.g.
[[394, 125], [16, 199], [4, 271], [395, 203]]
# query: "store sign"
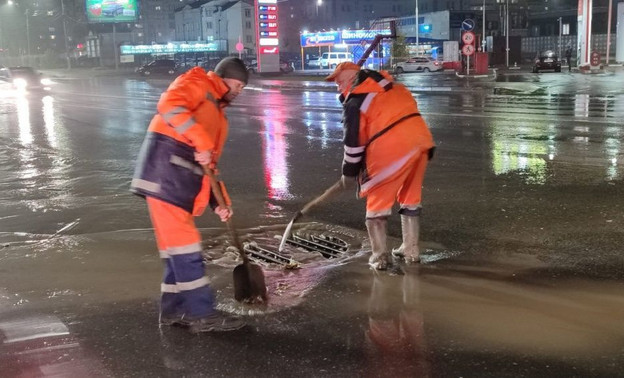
[[321, 39], [173, 48], [111, 11], [355, 36], [267, 35], [269, 50]]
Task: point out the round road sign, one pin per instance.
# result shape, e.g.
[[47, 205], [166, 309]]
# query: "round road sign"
[[239, 47], [468, 24], [468, 38], [594, 59], [468, 50]]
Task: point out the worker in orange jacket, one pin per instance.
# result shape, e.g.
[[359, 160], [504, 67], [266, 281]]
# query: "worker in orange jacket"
[[387, 146], [188, 131]]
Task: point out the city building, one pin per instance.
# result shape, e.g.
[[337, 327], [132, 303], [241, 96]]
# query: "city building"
[[210, 20]]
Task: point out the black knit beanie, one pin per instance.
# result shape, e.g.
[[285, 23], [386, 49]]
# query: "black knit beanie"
[[232, 68]]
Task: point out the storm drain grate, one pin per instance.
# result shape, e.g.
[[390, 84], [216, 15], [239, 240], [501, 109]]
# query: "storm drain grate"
[[328, 246], [264, 257]]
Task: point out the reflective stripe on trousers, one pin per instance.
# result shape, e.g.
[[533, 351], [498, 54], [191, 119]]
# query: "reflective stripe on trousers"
[[185, 288]]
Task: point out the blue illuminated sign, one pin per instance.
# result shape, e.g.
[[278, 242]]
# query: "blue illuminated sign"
[[320, 39]]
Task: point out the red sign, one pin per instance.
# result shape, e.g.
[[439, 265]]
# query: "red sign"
[[468, 50], [269, 50], [468, 38], [594, 59], [239, 47]]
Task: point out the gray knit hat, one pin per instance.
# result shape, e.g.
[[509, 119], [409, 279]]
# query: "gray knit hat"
[[232, 68]]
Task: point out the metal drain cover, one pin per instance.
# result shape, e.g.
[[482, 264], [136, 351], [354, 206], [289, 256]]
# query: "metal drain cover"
[[328, 246]]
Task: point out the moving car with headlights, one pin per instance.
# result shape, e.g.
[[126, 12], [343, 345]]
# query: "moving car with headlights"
[[24, 79], [159, 66], [546, 60], [418, 64]]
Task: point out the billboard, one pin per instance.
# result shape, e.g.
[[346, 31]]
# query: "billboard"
[[111, 11]]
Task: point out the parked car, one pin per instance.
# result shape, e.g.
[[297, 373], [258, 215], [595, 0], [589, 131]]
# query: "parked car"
[[284, 66], [546, 60], [24, 79], [332, 59], [160, 66], [314, 62], [252, 66], [111, 8], [418, 64]]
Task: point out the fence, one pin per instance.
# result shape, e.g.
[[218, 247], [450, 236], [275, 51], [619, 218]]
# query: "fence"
[[532, 45]]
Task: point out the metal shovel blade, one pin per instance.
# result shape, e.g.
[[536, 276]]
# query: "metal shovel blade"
[[249, 285]]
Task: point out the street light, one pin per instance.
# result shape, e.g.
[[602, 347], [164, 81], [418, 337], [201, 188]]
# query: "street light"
[[416, 26], [505, 4], [318, 4]]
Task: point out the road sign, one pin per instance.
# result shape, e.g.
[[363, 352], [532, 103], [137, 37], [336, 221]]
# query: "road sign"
[[468, 38], [594, 59], [468, 50], [468, 24]]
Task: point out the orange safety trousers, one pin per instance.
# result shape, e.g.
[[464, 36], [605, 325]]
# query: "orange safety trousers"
[[184, 289], [405, 187]]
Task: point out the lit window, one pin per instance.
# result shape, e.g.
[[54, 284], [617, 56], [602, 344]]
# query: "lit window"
[[158, 7], [566, 29]]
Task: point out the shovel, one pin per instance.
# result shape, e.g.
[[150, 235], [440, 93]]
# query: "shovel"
[[337, 187], [249, 283]]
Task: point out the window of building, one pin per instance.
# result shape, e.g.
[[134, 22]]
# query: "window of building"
[[565, 29], [248, 39], [247, 12], [157, 7], [248, 24], [209, 25]]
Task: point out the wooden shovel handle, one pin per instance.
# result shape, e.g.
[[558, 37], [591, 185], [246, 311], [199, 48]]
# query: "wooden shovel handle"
[[328, 193], [216, 191]]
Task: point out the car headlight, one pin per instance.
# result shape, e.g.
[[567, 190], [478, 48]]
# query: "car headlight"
[[20, 83], [46, 82]]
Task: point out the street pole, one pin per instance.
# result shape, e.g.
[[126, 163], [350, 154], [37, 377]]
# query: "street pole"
[[28, 33], [609, 31], [416, 25], [483, 37], [65, 35], [115, 47], [560, 36], [507, 34]]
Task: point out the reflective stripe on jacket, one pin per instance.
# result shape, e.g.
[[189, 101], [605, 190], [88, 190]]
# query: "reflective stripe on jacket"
[[373, 103], [190, 118]]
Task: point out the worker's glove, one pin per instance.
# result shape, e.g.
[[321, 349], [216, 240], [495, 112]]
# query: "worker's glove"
[[347, 182], [225, 213], [203, 157]]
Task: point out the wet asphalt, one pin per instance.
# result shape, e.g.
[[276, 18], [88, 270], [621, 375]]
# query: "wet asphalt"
[[521, 235]]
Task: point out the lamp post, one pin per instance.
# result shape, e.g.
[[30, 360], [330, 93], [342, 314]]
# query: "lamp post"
[[416, 26], [483, 36], [507, 33], [65, 37], [318, 4]]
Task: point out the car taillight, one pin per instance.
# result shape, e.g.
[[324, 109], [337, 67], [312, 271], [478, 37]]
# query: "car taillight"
[[436, 63]]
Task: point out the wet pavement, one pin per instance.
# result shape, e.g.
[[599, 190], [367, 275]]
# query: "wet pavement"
[[523, 271]]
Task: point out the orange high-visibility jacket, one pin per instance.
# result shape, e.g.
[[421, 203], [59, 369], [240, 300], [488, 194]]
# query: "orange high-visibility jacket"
[[383, 130], [190, 118]]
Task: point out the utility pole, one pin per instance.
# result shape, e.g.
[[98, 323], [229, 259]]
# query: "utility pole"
[[28, 32], [416, 26], [560, 36], [609, 31], [65, 35], [507, 34], [483, 36]]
